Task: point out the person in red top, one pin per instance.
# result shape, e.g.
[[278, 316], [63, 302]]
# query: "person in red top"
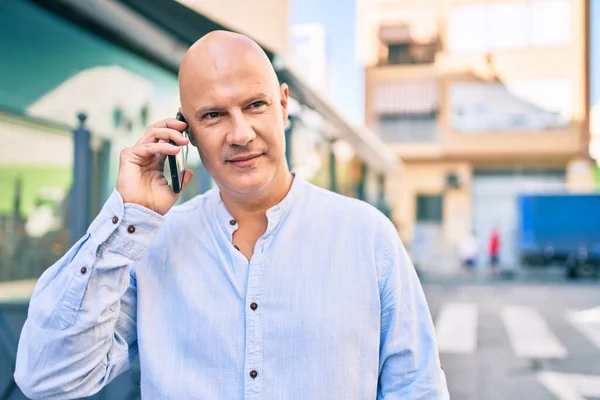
[[494, 250]]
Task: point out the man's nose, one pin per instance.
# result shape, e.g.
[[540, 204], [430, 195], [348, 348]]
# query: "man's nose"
[[241, 132]]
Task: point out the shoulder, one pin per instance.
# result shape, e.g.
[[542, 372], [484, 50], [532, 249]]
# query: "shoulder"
[[349, 211], [361, 225], [189, 215], [191, 206]]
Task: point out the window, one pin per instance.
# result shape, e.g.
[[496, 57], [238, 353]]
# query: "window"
[[430, 208], [35, 183], [411, 53], [550, 23], [408, 128], [511, 25], [398, 54], [516, 105]]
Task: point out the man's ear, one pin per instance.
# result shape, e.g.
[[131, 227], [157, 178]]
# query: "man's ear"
[[188, 129], [285, 93]]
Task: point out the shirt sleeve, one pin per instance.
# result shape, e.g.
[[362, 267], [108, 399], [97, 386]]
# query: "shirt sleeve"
[[409, 366], [80, 331]]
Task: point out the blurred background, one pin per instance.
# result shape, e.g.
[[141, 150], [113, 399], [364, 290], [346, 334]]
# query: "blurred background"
[[474, 125]]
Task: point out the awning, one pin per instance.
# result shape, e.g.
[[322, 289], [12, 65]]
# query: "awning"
[[406, 97], [395, 33]]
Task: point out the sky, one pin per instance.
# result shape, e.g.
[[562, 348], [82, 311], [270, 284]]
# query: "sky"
[[347, 75]]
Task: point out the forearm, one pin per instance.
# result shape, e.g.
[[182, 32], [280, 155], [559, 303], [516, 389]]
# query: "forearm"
[[409, 366], [69, 346]]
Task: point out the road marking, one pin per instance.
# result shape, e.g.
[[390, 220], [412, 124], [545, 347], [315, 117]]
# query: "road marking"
[[588, 323], [529, 334], [570, 386], [456, 328]]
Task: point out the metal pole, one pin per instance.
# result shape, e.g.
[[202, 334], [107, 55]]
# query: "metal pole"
[[288, 142], [104, 161], [332, 169], [362, 191], [381, 201], [80, 189]]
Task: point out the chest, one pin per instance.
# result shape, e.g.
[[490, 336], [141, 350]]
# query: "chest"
[[290, 289], [244, 240]]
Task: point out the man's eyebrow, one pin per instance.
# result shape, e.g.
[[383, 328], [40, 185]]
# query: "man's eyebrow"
[[257, 97]]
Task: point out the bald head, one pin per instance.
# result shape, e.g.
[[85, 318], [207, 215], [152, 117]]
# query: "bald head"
[[224, 55]]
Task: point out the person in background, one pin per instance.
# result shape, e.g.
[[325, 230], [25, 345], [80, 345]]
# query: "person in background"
[[494, 251], [265, 287], [469, 249]]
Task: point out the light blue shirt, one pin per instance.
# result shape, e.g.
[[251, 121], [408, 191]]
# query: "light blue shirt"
[[328, 307]]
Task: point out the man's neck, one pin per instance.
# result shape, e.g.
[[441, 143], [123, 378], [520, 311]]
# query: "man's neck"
[[249, 208]]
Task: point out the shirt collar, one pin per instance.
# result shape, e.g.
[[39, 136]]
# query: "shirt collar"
[[274, 214]]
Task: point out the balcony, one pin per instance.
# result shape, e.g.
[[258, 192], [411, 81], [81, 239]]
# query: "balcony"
[[399, 46], [409, 128], [408, 54]]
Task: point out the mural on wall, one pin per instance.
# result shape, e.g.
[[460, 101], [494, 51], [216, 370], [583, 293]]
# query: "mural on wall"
[[115, 100], [482, 107]]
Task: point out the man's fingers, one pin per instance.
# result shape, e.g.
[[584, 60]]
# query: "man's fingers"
[[171, 123], [168, 124], [167, 134], [150, 149]]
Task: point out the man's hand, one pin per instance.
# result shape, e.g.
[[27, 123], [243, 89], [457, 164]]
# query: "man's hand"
[[140, 179]]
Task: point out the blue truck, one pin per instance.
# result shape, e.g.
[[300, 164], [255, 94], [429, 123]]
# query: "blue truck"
[[560, 228]]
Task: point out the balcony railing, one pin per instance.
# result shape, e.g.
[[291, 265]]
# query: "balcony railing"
[[420, 128], [409, 54]]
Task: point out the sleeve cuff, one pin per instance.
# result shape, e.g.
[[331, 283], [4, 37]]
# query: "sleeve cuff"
[[126, 229]]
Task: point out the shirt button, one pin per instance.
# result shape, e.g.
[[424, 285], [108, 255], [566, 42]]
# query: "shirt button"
[[131, 229], [83, 270], [232, 222], [253, 306], [253, 374], [115, 219]]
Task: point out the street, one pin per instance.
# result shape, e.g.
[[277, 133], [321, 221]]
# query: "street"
[[527, 338]]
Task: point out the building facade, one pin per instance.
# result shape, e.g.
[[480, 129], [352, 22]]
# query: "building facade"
[[482, 100]]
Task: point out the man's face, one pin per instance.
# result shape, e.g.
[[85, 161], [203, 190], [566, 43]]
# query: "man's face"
[[236, 116]]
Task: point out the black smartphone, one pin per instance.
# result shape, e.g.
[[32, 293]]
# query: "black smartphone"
[[177, 163]]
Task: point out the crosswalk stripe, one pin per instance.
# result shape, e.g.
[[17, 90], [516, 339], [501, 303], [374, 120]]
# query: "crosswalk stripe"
[[529, 334], [456, 328], [570, 386], [588, 323], [559, 385]]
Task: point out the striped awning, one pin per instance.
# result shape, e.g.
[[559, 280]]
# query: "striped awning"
[[394, 33], [406, 97]]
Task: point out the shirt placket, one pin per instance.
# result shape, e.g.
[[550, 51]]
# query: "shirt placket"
[[254, 312], [254, 345]]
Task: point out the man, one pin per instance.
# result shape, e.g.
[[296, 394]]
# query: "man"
[[266, 288]]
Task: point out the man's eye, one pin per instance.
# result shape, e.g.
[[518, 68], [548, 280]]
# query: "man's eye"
[[212, 115], [257, 104]]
